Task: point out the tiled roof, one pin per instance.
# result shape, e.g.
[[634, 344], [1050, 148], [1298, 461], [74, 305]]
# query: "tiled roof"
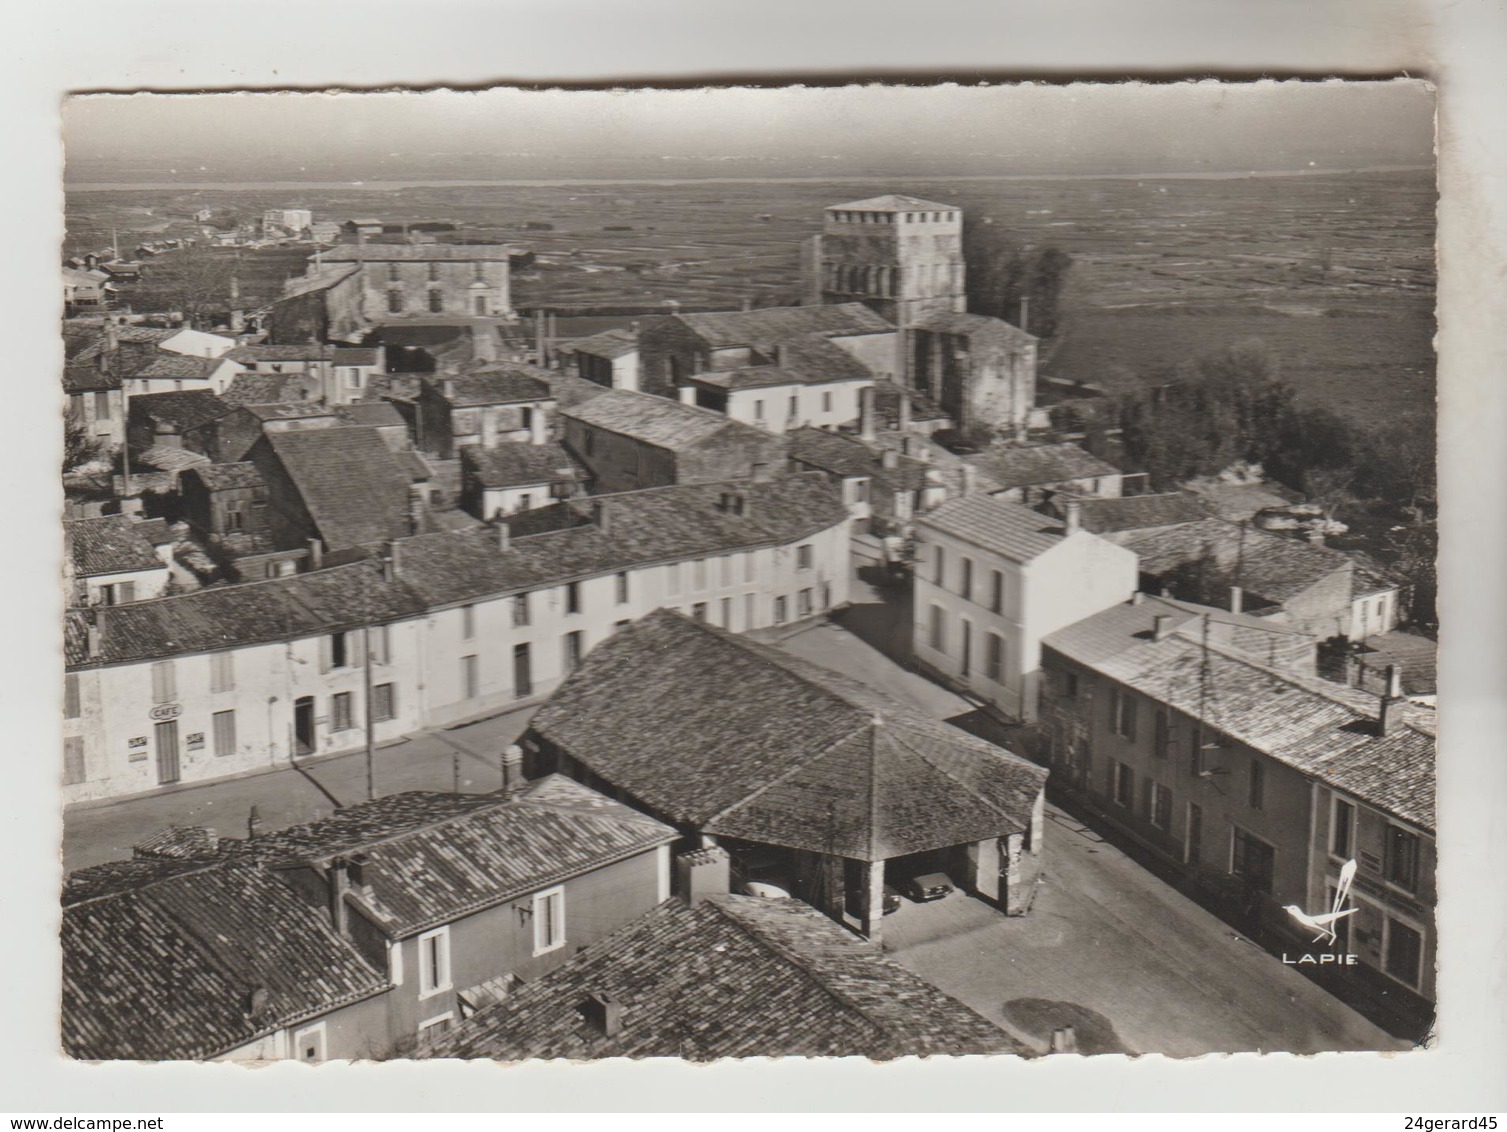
[[518, 465], [219, 617], [87, 377], [316, 280], [979, 326], [892, 202], [501, 383], [657, 420], [181, 409], [1237, 501], [769, 326], [219, 477], [1319, 728], [1140, 512], [371, 414], [167, 969], [386, 253], [110, 544], [349, 482], [608, 344], [356, 356], [430, 859], [570, 390], [1264, 565], [750, 377], [805, 359], [844, 455], [732, 977], [1028, 465], [165, 365], [170, 458], [266, 388], [281, 352], [287, 410], [736, 738], [1008, 529], [644, 527]]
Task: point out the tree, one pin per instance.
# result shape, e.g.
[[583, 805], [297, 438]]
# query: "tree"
[[197, 284], [79, 447], [1002, 273]]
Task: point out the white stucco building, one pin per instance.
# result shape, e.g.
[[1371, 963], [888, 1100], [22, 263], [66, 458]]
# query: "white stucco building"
[[993, 578]]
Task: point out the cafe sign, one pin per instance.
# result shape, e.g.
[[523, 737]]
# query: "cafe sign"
[[164, 712]]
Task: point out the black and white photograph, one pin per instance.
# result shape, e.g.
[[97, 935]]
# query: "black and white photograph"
[[865, 570]]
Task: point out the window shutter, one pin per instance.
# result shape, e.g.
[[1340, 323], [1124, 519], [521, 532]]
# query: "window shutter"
[[355, 648], [70, 696], [124, 592], [326, 654]]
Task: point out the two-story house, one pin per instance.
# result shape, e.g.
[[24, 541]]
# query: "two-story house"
[[110, 562], [992, 579], [500, 403]]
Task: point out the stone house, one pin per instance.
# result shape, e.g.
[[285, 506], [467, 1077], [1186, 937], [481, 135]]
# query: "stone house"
[[981, 371], [174, 420], [812, 383], [111, 562], [402, 280], [628, 441], [516, 477], [501, 402], [96, 403], [741, 745], [232, 436], [610, 358], [1030, 474]]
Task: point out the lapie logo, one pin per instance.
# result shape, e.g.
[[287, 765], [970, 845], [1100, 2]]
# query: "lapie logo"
[[1322, 923]]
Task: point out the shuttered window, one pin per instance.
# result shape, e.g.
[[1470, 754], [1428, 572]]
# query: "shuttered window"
[[164, 684], [224, 722], [74, 770], [70, 696], [384, 703], [340, 712], [222, 672]]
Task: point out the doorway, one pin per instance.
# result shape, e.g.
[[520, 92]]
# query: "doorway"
[[303, 726], [168, 770]]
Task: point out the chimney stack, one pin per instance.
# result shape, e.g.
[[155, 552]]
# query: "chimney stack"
[[512, 770], [1072, 516], [340, 883], [904, 420], [538, 426], [603, 1013], [418, 508], [702, 873], [889, 458], [93, 631], [256, 1001], [687, 394], [1387, 717], [253, 823], [1161, 626], [601, 516], [866, 414], [316, 554], [1237, 599], [969, 476], [504, 536]]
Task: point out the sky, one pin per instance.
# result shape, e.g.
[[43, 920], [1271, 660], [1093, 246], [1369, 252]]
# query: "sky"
[[1033, 128]]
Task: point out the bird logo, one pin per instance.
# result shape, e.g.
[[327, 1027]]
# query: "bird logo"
[[1323, 923]]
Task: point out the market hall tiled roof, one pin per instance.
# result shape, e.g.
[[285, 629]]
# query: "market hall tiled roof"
[[1027, 465], [1008, 529], [353, 489], [791, 755], [110, 544], [734, 976], [518, 465], [1323, 729], [657, 421], [192, 963]]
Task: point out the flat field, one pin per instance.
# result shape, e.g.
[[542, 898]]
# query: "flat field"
[[1333, 272]]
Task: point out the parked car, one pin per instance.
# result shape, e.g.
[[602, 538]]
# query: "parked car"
[[891, 900], [927, 886]]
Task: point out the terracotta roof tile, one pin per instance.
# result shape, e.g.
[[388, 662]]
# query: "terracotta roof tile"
[[110, 544], [348, 480], [1029, 465], [1007, 529]]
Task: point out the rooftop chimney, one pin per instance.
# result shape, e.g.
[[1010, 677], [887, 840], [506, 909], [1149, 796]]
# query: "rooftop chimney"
[[1237, 599], [904, 421], [340, 884], [316, 554], [1388, 717], [418, 508], [889, 458], [702, 873], [256, 1001], [687, 394], [1072, 516], [969, 476], [601, 516], [504, 536], [1161, 626], [603, 1013], [512, 770], [93, 631], [253, 823], [866, 414], [448, 387]]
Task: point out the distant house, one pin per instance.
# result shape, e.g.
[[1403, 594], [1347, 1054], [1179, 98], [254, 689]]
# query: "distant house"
[[95, 401], [341, 486], [1378, 602], [794, 766], [110, 562], [883, 489], [400, 280], [609, 358], [515, 477], [226, 506], [324, 305], [324, 231], [234, 434], [379, 415], [1309, 587], [174, 420], [1031, 473], [272, 389], [993, 578], [630, 440], [1115, 515], [86, 290], [731, 976], [352, 369], [156, 371], [813, 383], [673, 348], [362, 226], [503, 402], [197, 343]]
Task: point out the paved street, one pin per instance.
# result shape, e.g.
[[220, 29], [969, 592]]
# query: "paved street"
[[1127, 960], [424, 761]]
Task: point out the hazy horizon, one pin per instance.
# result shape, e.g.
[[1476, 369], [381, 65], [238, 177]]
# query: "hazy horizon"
[[795, 131]]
